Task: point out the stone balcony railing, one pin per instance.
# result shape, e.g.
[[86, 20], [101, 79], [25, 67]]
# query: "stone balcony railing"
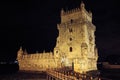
[[55, 74]]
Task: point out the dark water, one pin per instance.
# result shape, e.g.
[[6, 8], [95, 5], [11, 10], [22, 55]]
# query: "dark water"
[[11, 72], [113, 74], [22, 75], [8, 68]]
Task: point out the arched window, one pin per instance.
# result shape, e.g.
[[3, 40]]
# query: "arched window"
[[56, 51], [70, 49], [70, 39], [71, 20]]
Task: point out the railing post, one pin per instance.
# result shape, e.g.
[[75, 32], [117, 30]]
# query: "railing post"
[[49, 78], [99, 79], [91, 78]]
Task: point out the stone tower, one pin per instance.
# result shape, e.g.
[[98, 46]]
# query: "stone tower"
[[75, 45], [76, 41]]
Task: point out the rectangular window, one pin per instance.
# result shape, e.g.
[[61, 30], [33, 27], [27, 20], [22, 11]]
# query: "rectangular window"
[[70, 49]]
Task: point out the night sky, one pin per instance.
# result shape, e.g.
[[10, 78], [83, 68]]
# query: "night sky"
[[33, 25]]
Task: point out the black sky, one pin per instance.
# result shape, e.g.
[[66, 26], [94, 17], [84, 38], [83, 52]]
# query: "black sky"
[[32, 24]]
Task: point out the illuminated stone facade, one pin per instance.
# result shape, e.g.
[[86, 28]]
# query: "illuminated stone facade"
[[75, 45]]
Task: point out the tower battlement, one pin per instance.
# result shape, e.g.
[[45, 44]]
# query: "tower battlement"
[[77, 13], [63, 13]]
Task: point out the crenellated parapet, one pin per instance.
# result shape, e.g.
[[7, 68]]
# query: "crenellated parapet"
[[76, 13], [63, 13], [24, 55]]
